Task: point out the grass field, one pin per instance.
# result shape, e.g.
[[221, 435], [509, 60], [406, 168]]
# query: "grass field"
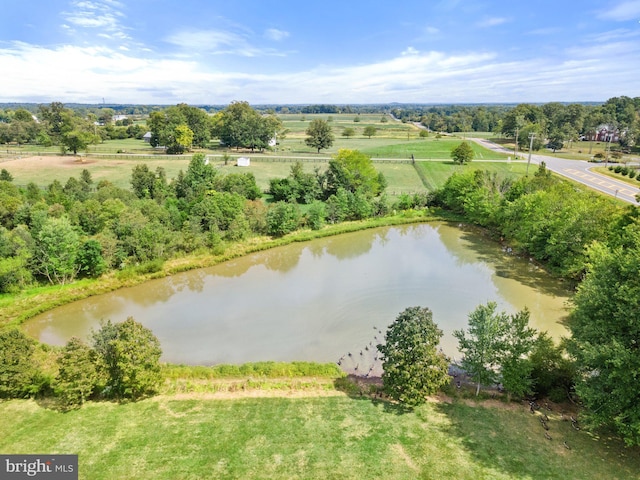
[[307, 438]]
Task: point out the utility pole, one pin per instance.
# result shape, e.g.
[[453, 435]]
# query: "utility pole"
[[531, 137], [515, 147]]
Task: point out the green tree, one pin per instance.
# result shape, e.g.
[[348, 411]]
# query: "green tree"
[[412, 365], [57, 246], [556, 141], [515, 365], [463, 153], [316, 215], [282, 218], [90, 260], [77, 140], [353, 170], [369, 131], [496, 347], [605, 335], [128, 357], [348, 132], [17, 367], [77, 374], [319, 134], [240, 126]]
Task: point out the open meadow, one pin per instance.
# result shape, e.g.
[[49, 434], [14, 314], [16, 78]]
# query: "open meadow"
[[169, 437]]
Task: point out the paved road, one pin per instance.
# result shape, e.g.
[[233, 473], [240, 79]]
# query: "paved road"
[[577, 170]]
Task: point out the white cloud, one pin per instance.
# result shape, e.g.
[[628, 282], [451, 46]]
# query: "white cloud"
[[492, 22], [629, 10], [86, 74], [218, 42], [275, 34], [102, 15]]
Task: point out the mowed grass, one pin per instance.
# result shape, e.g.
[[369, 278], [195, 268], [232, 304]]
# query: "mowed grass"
[[310, 438], [401, 177]]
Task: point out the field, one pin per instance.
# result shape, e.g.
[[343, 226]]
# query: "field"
[[311, 437]]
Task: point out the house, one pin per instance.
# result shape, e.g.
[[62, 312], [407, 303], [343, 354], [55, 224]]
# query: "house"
[[243, 162], [604, 133], [147, 137]]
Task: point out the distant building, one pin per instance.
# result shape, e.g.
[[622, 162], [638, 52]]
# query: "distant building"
[[117, 118], [604, 133], [147, 137]]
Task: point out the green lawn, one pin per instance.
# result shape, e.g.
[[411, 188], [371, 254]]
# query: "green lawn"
[[308, 438]]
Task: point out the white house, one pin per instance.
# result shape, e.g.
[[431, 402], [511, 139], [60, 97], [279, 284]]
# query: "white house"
[[147, 137]]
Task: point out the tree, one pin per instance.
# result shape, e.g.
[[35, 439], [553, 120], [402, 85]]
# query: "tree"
[[282, 218], [17, 367], [412, 366], [515, 365], [142, 181], [77, 140], [348, 132], [57, 246], [319, 134], [556, 141], [128, 356], [183, 139], [77, 374], [463, 153], [239, 125], [496, 346], [369, 131], [605, 329], [353, 170]]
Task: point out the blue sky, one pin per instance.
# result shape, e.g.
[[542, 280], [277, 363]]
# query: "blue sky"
[[348, 51]]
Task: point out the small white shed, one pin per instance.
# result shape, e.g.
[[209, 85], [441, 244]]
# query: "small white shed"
[[243, 162]]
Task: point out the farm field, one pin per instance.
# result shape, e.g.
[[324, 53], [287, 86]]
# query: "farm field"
[[316, 437]]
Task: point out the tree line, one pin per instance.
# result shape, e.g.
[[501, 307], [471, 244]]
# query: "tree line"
[[121, 362], [592, 241], [553, 123], [84, 229]]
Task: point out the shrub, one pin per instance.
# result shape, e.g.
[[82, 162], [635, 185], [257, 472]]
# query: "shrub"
[[632, 173], [18, 373], [282, 218]]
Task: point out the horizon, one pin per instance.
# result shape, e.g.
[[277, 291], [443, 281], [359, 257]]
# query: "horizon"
[[449, 52]]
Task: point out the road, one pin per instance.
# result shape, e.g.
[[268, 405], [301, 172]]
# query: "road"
[[577, 170]]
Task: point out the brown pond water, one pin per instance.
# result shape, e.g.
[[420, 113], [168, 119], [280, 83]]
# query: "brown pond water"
[[321, 299]]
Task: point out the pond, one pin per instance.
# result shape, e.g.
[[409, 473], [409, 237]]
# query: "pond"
[[322, 299]]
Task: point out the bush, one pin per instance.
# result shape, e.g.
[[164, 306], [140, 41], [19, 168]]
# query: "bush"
[[18, 373], [632, 173], [618, 169], [282, 218]]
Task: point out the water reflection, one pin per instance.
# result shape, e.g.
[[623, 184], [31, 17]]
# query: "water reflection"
[[320, 299]]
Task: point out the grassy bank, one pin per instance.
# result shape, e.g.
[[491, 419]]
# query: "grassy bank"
[[315, 437], [14, 309]]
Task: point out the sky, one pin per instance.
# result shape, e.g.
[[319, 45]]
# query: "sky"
[[307, 52]]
